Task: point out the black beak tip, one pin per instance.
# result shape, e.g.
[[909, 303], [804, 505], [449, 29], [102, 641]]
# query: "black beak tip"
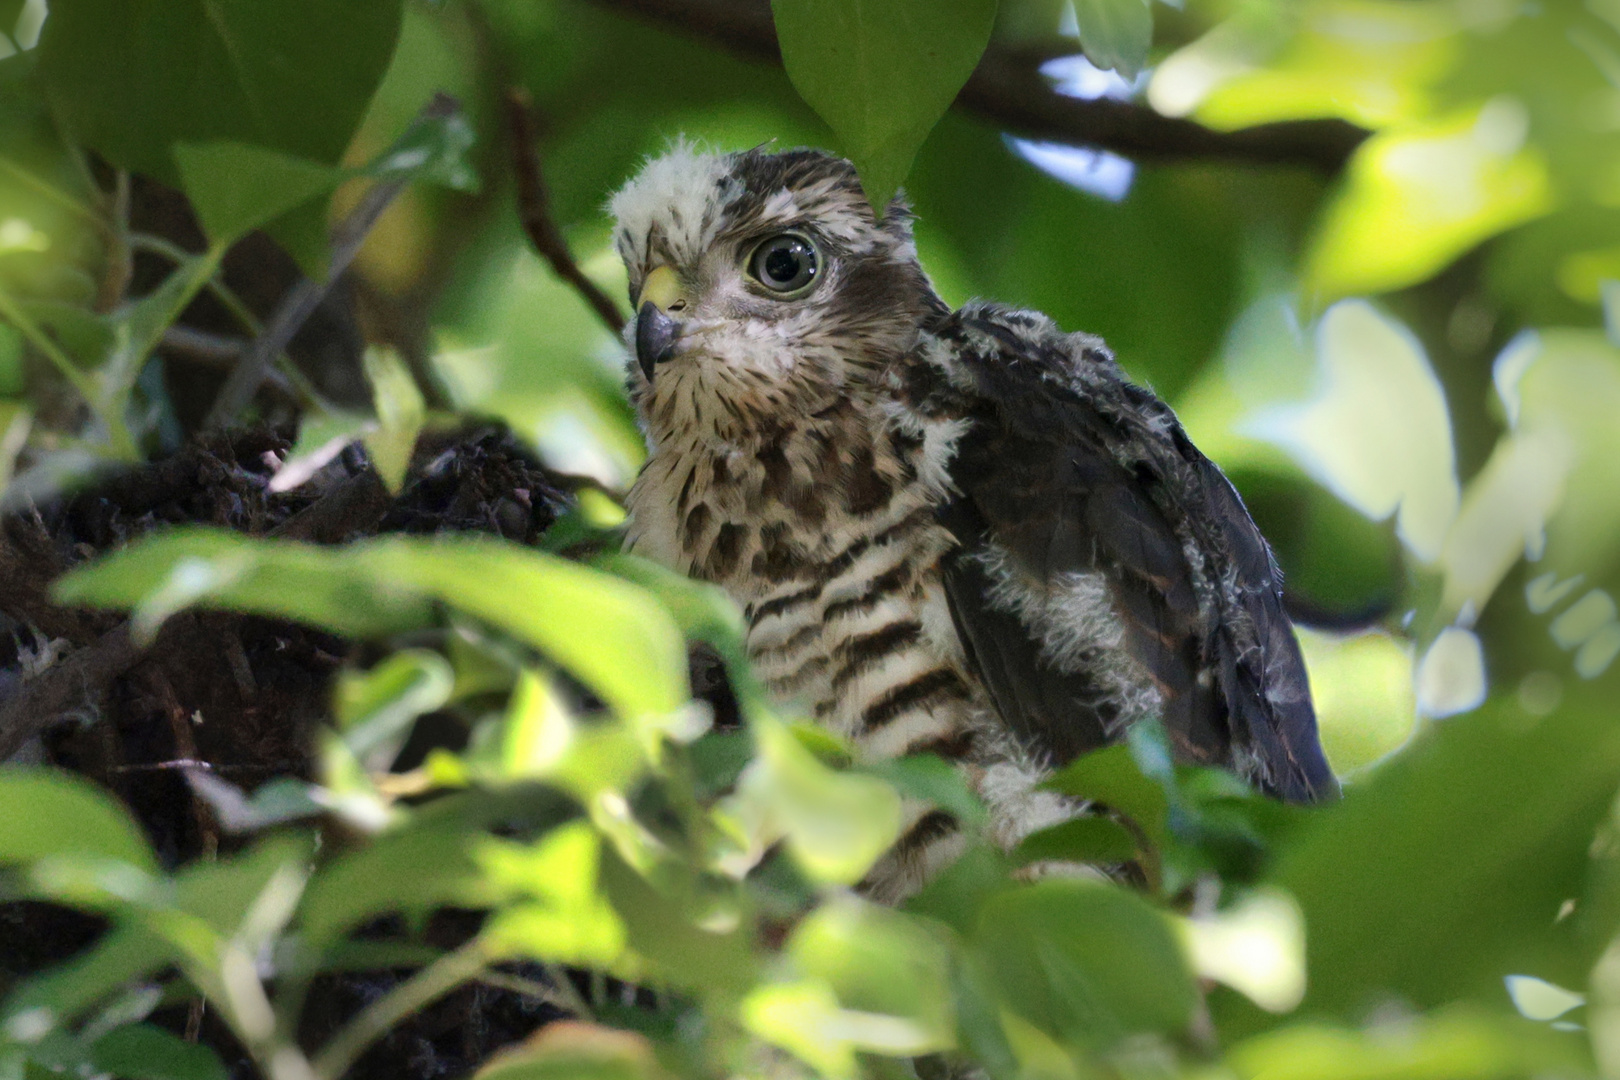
[[656, 334]]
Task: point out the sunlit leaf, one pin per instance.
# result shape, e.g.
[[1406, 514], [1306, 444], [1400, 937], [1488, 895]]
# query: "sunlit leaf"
[[52, 813], [882, 75], [1377, 433], [400, 413], [1416, 198], [586, 620], [1088, 840], [1257, 947], [664, 930], [564, 917], [375, 709]]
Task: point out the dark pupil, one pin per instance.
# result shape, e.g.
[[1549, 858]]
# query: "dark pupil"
[[786, 264]]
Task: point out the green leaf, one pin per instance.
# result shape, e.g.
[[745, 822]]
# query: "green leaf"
[[1086, 962], [375, 709], [134, 77], [49, 813], [1094, 840], [400, 413], [120, 957], [609, 633], [387, 876], [562, 915], [569, 1050], [145, 1052], [932, 779], [663, 931], [881, 75], [1112, 777], [433, 150], [1447, 869], [237, 187], [1419, 196], [1115, 33]]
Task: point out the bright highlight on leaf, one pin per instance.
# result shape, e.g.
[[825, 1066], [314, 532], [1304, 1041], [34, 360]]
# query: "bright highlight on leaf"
[[1257, 947], [1417, 198], [1377, 433], [882, 74]]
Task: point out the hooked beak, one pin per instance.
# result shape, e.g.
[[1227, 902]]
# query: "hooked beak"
[[656, 332]]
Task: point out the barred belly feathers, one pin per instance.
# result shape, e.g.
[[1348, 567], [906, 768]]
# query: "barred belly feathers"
[[962, 533]]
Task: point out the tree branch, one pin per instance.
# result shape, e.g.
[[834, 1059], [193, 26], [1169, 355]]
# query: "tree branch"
[[1008, 91], [534, 209]]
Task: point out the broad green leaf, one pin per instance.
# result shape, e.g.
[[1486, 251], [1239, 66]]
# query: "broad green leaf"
[[662, 929], [1111, 776], [50, 813], [1094, 840], [166, 573], [881, 75], [1085, 962], [400, 413], [570, 1050], [934, 780], [956, 894], [1257, 946], [1418, 197], [237, 187], [134, 77], [145, 1052], [607, 632], [1115, 33], [60, 994], [1447, 868]]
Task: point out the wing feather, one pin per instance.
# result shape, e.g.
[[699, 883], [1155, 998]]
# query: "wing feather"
[[1105, 565]]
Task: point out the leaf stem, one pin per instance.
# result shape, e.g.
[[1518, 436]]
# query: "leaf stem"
[[14, 314], [432, 982], [49, 190]]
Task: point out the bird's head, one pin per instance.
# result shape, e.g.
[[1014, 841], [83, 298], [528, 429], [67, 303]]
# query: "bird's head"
[[763, 284]]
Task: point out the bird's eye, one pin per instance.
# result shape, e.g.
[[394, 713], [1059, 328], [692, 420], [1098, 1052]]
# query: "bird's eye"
[[785, 264]]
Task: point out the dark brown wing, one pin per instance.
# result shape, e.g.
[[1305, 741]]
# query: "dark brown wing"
[[1106, 566]]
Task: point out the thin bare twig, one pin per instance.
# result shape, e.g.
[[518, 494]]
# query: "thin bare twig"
[[1009, 91], [299, 304], [534, 209]]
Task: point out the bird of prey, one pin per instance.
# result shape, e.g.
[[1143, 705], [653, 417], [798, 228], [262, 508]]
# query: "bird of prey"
[[959, 532]]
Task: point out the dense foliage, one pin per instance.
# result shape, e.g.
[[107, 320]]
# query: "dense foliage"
[[1365, 247]]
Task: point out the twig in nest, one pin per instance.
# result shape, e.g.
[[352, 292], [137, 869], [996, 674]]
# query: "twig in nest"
[[299, 304], [534, 209]]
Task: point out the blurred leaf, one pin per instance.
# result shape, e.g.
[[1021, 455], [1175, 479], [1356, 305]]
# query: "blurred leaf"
[[932, 779], [387, 875], [585, 620], [375, 709], [662, 930], [1256, 946], [1115, 33], [322, 436], [880, 962], [1088, 840], [956, 894], [50, 813], [1377, 432], [1459, 1045], [433, 150], [58, 995], [881, 76], [237, 187], [1113, 777], [274, 802], [400, 413], [145, 1052], [134, 77], [1446, 869], [570, 1050], [1416, 198], [566, 918], [1086, 962]]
